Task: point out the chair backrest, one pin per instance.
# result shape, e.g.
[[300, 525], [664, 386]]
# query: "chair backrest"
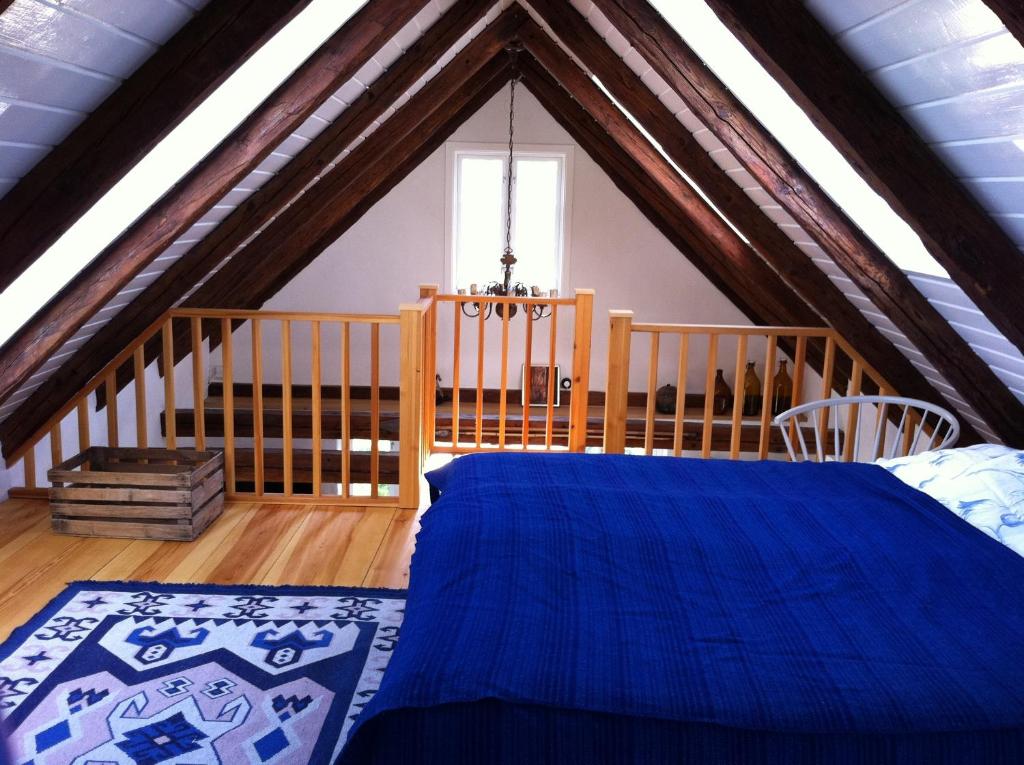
[[902, 426]]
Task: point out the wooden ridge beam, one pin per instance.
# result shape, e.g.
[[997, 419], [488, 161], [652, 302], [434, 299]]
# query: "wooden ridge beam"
[[1011, 13], [131, 121], [255, 212], [707, 234], [887, 152], [800, 196], [326, 70], [810, 283]]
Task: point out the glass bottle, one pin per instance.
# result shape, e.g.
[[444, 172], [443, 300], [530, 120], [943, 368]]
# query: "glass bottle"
[[723, 394], [782, 390], [751, 392]]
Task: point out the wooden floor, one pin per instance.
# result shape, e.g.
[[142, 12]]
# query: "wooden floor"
[[248, 544]]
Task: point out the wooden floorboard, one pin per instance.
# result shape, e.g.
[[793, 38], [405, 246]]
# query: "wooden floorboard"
[[249, 544]]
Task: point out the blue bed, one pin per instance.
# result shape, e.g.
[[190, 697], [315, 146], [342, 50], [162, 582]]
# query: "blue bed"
[[607, 609]]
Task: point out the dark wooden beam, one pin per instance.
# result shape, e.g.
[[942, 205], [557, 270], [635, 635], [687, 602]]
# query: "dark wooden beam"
[[1011, 13], [708, 235], [799, 195], [809, 282], [254, 213], [144, 109], [274, 120], [888, 153], [302, 231]]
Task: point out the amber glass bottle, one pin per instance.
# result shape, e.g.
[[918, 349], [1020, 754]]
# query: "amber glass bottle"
[[751, 392], [782, 390], [723, 394]]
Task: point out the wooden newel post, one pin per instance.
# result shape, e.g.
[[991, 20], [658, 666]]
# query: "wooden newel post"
[[579, 405], [427, 294], [617, 388], [410, 405]]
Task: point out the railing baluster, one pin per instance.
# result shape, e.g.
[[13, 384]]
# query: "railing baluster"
[[799, 362], [853, 416], [680, 421], [315, 405], [549, 427], [480, 379], [56, 446], [110, 387], [709, 397], [286, 405], [228, 399], [503, 391], [827, 370], [579, 408], [28, 467], [83, 423], [652, 392], [737, 398], [198, 397], [456, 367], [170, 404], [257, 406], [527, 361], [346, 411], [374, 409], [139, 366], [764, 437]]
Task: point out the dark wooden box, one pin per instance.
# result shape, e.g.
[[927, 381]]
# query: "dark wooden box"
[[137, 493]]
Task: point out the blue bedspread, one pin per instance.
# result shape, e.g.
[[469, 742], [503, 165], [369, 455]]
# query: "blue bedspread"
[[591, 609]]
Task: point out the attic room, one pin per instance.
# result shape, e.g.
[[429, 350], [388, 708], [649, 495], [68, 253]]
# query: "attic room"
[[511, 381]]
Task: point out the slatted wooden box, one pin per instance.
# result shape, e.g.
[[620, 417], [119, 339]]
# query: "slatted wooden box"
[[171, 494]]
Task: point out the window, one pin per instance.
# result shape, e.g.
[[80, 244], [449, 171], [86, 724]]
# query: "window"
[[478, 210]]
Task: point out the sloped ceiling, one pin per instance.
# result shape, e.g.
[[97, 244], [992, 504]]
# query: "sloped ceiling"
[[59, 61], [964, 316]]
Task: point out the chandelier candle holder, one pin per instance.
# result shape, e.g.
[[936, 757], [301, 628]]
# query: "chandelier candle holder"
[[506, 288]]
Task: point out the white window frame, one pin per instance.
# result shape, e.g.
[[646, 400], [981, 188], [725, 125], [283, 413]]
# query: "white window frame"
[[455, 149]]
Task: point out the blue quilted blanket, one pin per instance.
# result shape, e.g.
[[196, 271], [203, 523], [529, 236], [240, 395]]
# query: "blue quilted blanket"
[[591, 609]]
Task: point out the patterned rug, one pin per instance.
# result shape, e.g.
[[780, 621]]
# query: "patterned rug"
[[142, 673]]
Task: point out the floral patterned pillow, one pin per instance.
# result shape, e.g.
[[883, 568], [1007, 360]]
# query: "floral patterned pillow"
[[983, 484]]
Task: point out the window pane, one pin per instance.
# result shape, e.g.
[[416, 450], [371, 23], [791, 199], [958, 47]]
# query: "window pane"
[[537, 235], [479, 236]]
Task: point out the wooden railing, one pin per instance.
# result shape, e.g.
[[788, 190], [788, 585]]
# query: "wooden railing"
[[498, 436], [254, 422], [208, 327], [779, 342]]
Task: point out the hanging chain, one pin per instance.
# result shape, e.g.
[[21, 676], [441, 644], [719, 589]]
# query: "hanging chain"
[[511, 165]]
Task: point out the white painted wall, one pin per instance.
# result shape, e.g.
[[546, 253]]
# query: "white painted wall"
[[401, 243]]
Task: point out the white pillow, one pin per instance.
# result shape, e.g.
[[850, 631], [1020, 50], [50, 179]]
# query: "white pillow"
[[983, 484]]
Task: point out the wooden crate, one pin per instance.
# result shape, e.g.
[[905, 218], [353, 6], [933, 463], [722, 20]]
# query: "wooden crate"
[[171, 494]]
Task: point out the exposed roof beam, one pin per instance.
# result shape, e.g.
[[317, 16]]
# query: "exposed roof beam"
[[798, 194], [1011, 13], [122, 130], [274, 120], [810, 282], [306, 228], [251, 215], [717, 244], [888, 153]]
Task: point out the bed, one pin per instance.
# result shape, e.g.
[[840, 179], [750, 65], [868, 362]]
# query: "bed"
[[614, 609]]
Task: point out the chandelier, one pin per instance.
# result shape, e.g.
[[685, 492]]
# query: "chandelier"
[[506, 287]]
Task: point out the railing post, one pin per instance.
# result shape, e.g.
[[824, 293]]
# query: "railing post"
[[616, 396], [427, 294], [580, 405], [410, 405]]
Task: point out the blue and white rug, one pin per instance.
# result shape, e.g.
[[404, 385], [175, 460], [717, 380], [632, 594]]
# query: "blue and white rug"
[[142, 673]]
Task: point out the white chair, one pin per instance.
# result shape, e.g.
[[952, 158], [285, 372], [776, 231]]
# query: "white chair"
[[902, 426]]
